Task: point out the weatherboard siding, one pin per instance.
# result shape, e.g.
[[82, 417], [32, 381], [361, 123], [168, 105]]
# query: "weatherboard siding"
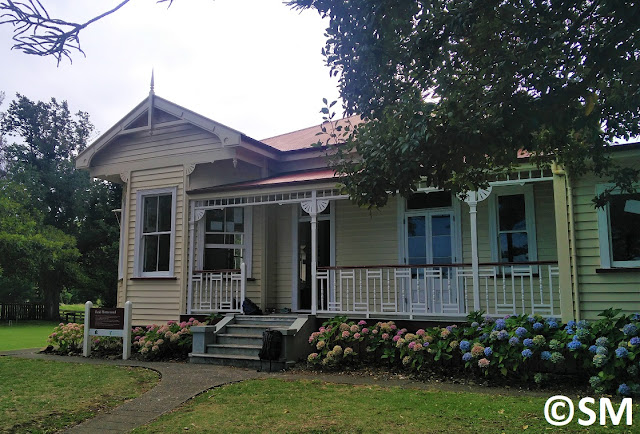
[[597, 291]]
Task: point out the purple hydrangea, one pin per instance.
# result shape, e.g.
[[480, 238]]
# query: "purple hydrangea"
[[593, 349], [623, 389], [574, 345], [488, 319], [630, 330], [500, 325], [634, 341], [474, 324], [545, 355], [514, 341], [622, 353], [466, 357], [538, 326], [465, 346], [502, 335], [527, 353], [521, 332], [528, 342], [488, 351]]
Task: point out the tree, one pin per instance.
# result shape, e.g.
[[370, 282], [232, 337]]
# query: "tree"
[[454, 90], [37, 33], [63, 200]]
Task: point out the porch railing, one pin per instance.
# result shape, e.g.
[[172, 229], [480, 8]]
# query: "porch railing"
[[439, 289], [218, 290]]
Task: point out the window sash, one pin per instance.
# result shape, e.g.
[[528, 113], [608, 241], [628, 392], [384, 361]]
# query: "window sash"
[[159, 230], [606, 237]]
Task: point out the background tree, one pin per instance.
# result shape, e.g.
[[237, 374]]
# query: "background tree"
[[65, 203], [455, 89]]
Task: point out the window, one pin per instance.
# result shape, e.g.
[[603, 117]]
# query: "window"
[[155, 230], [512, 225], [227, 238], [619, 231]]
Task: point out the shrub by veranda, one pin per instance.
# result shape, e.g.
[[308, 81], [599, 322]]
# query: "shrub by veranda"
[[172, 340], [521, 347], [67, 338]]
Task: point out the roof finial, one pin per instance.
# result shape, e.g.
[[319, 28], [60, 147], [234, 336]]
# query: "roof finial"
[[151, 91]]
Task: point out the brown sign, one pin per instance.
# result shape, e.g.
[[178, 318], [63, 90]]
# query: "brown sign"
[[107, 319]]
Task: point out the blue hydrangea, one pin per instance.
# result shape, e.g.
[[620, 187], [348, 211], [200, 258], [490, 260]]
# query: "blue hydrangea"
[[531, 319], [635, 317], [583, 324], [500, 325], [572, 324], [582, 334], [488, 319], [574, 345], [593, 349], [551, 319], [528, 342], [466, 357], [527, 353], [624, 390], [599, 360], [622, 353], [553, 325], [514, 341], [630, 330], [634, 341], [483, 337], [465, 346], [602, 351], [521, 332], [538, 326], [488, 351], [474, 324], [569, 330], [502, 335], [545, 355], [602, 341]]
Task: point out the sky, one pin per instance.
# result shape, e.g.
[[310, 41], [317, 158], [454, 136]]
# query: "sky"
[[253, 65]]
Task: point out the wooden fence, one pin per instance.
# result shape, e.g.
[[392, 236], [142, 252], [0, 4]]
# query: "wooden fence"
[[21, 311]]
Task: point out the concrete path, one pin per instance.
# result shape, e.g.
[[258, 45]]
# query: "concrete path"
[[178, 383]]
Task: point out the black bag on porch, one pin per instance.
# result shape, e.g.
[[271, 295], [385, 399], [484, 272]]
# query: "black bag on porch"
[[271, 346], [250, 308]]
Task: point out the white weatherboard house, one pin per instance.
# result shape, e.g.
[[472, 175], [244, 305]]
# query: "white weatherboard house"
[[211, 216]]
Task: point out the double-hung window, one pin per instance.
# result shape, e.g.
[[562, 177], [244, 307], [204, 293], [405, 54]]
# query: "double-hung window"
[[512, 224], [155, 232], [619, 230], [227, 239]]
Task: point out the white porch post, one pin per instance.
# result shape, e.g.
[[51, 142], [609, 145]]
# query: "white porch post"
[[472, 199], [193, 220], [313, 207]]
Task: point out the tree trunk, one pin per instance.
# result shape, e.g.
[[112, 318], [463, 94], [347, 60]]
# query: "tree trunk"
[[52, 303]]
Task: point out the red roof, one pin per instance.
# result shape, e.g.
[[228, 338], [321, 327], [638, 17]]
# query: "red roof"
[[304, 138], [309, 175]]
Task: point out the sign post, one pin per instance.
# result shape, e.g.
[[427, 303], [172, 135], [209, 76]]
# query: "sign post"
[[107, 322]]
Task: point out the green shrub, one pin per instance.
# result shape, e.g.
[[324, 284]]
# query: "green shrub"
[[67, 338], [170, 341]]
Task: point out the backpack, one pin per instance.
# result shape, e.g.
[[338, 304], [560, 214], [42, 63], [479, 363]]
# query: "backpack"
[[250, 308], [271, 345]]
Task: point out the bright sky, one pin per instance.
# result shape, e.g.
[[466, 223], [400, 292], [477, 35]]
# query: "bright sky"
[[253, 65]]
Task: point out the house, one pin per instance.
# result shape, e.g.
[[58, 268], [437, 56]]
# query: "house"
[[211, 216]]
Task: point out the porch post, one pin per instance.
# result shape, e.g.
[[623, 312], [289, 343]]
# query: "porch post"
[[192, 224], [314, 253], [473, 197]]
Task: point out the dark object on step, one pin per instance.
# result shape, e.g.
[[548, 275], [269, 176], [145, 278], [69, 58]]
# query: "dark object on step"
[[250, 308], [271, 346]]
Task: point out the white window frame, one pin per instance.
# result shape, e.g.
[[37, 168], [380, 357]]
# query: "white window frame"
[[138, 262], [604, 234], [247, 246], [530, 218]]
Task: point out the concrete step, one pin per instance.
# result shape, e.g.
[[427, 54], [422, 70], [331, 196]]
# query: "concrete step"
[[228, 338], [234, 349], [250, 329], [266, 320], [238, 361]]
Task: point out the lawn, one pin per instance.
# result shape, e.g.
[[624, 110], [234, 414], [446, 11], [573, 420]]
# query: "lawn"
[[311, 406], [44, 396], [25, 334]]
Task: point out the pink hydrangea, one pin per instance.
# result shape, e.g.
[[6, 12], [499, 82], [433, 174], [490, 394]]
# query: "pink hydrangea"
[[421, 332], [354, 328], [320, 345], [374, 331], [322, 329], [418, 346], [345, 334], [445, 333], [356, 336], [412, 345], [396, 338], [477, 350], [483, 363], [385, 336], [365, 331], [362, 322], [393, 327]]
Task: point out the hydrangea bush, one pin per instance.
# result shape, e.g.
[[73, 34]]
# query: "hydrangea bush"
[[170, 341], [522, 347]]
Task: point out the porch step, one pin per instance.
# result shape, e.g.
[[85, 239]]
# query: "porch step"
[[230, 338], [238, 361], [251, 329], [234, 350], [265, 320]]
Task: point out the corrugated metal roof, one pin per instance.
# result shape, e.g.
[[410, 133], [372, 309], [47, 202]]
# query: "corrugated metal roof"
[[304, 138]]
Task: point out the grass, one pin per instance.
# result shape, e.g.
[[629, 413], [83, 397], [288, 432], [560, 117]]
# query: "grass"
[[274, 405], [25, 334], [72, 307], [44, 396]]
